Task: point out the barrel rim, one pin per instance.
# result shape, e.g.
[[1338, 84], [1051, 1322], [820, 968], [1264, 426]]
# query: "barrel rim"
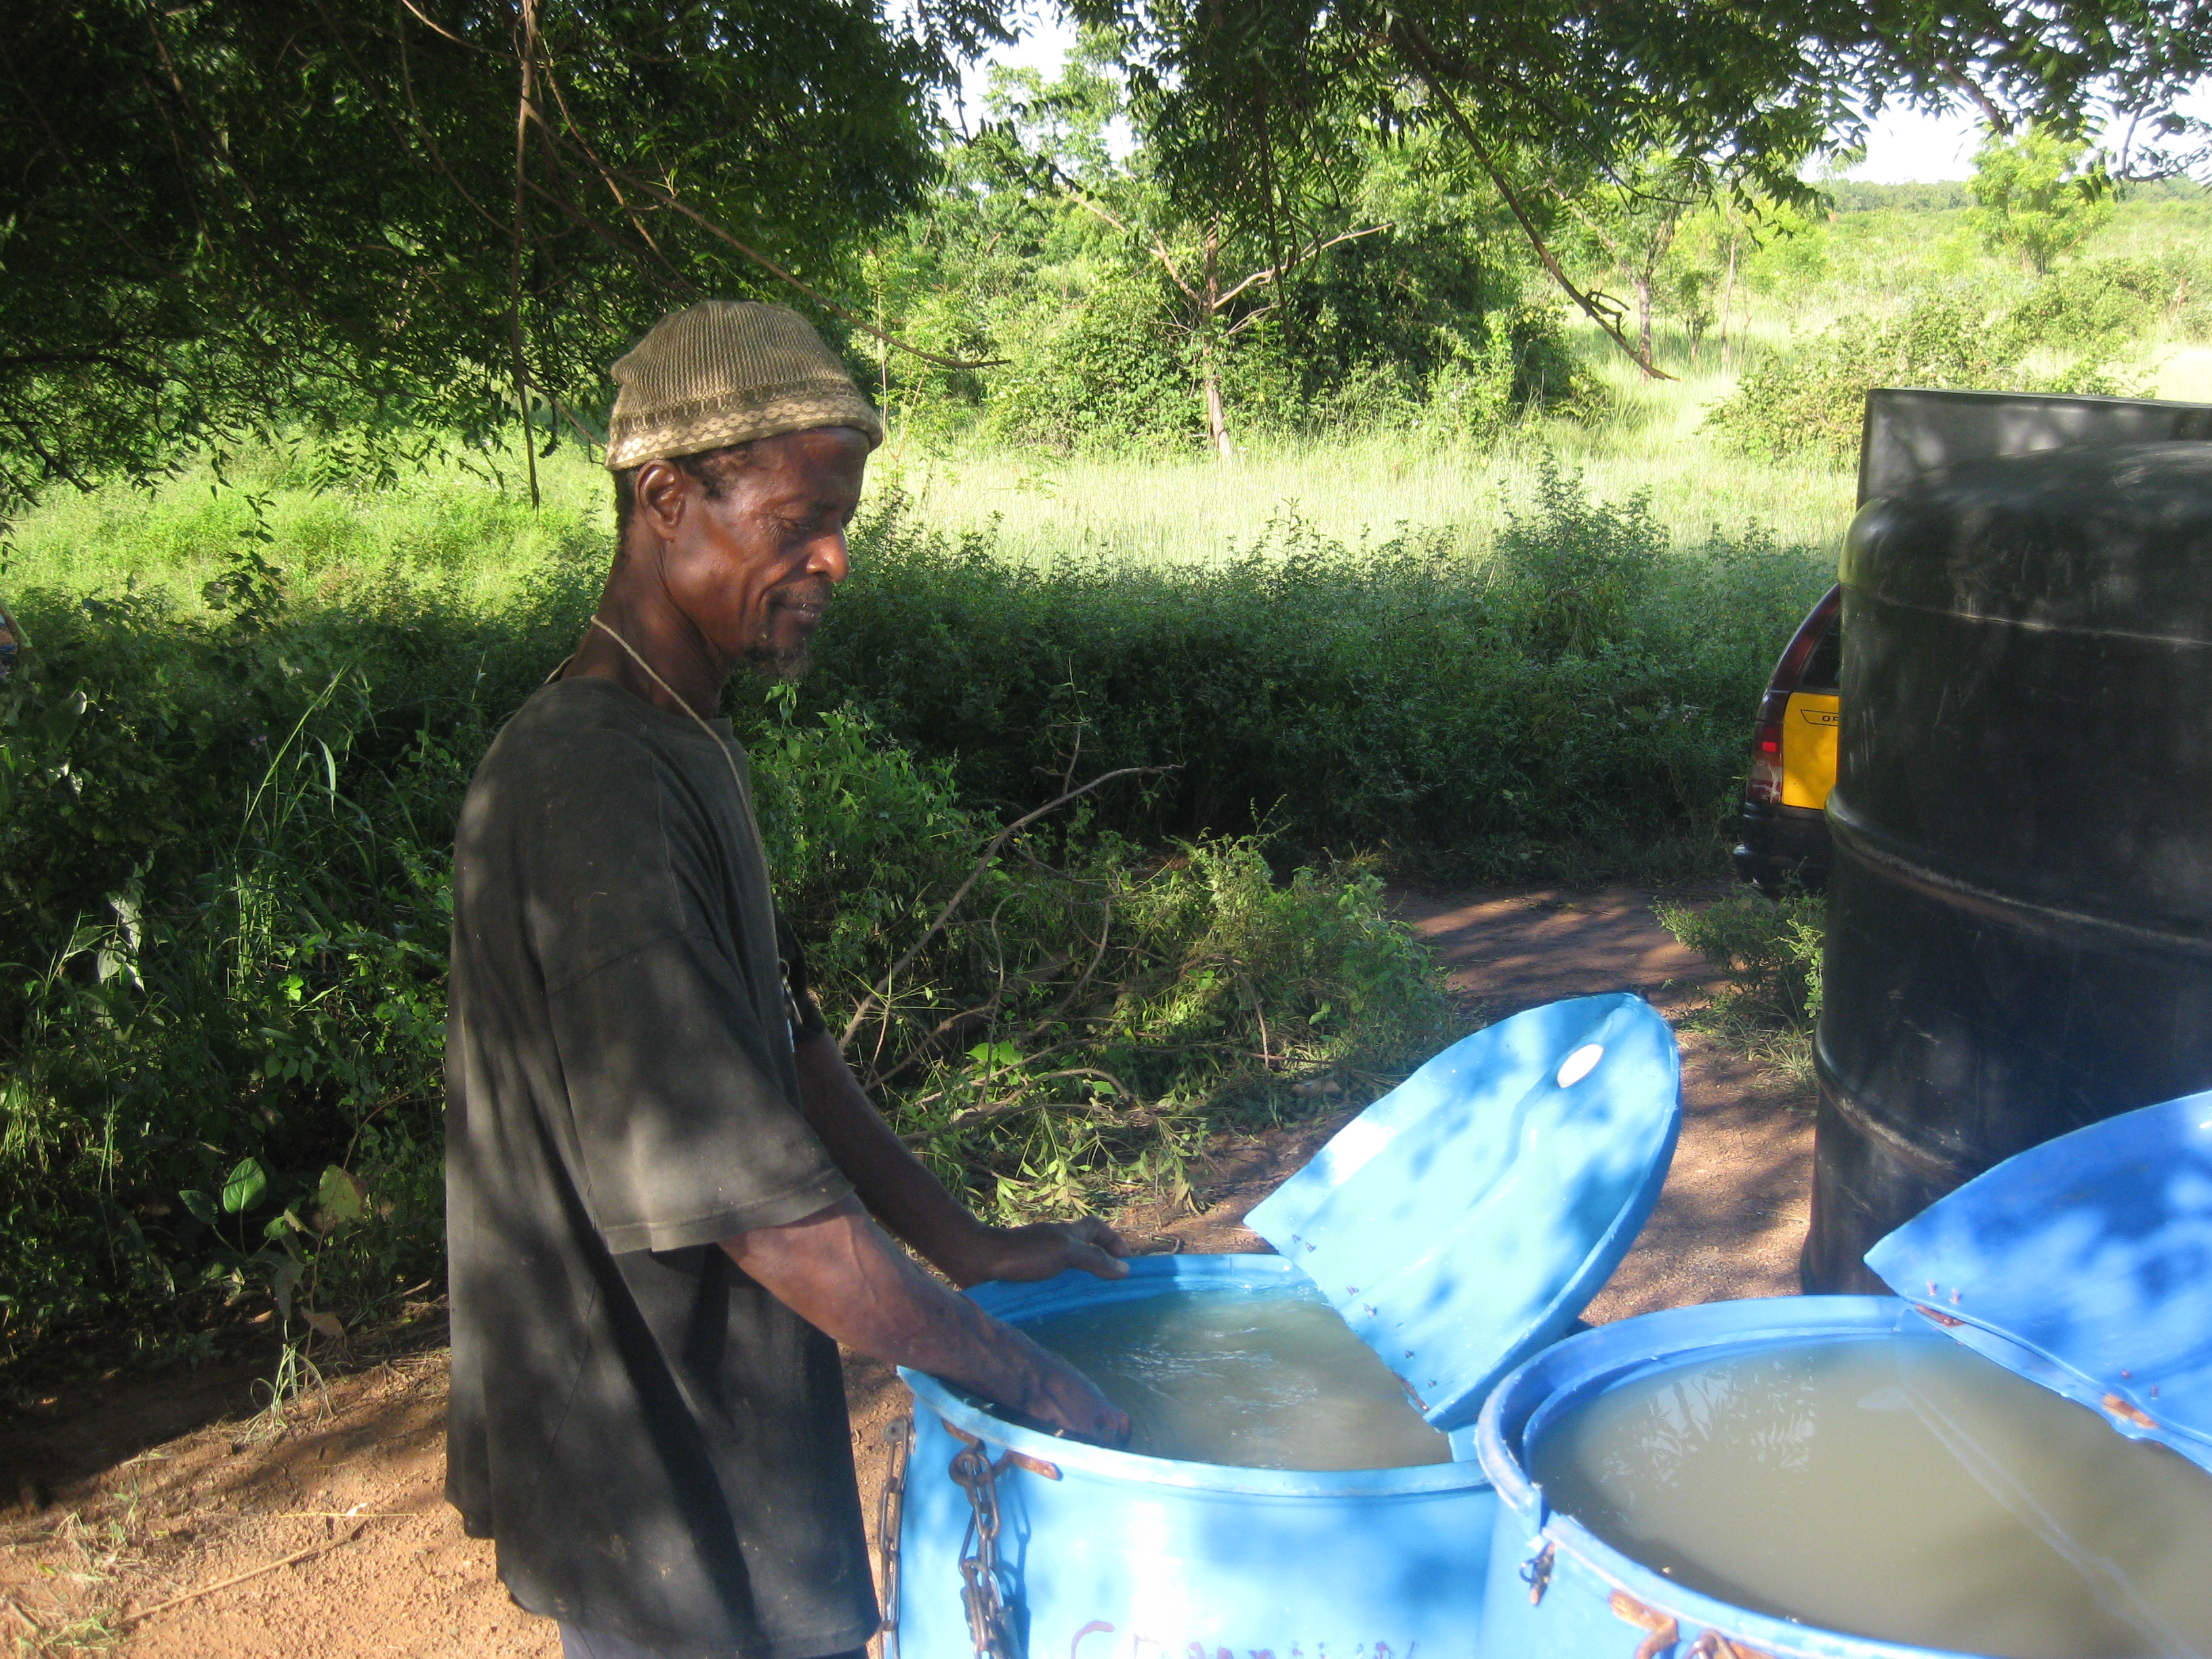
[[1610, 1354], [1152, 1275]]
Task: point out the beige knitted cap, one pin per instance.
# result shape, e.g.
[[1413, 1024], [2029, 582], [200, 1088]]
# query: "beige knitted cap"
[[724, 371]]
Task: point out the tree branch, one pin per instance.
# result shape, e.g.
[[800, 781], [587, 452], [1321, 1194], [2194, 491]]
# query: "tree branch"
[[1999, 122], [1014, 1104], [1156, 248], [974, 875], [666, 198], [1414, 40], [526, 50], [1311, 251]]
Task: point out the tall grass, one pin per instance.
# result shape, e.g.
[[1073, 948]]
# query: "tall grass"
[[1643, 439], [451, 531]]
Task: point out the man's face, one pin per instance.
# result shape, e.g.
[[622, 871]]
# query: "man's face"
[[752, 568]]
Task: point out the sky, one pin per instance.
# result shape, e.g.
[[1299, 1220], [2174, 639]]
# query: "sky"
[[1907, 145], [1904, 147]]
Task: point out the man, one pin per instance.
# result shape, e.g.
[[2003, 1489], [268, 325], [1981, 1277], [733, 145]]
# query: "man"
[[660, 1173]]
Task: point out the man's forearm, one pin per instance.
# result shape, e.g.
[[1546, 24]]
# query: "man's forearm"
[[896, 1186], [841, 1275]]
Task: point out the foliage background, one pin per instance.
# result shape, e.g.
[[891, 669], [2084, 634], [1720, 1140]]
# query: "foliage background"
[[1468, 599]]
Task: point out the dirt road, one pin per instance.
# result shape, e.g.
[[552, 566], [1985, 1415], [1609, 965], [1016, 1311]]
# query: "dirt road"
[[164, 1522]]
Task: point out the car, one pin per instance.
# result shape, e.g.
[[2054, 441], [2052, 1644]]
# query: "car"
[[1783, 823]]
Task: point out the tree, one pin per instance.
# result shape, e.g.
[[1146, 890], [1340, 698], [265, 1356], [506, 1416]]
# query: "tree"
[[1257, 104], [1055, 133], [1054, 250], [2037, 195], [1632, 224], [221, 214]]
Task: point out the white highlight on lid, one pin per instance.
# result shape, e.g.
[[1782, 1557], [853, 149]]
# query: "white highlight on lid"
[[1580, 1064], [1355, 1142]]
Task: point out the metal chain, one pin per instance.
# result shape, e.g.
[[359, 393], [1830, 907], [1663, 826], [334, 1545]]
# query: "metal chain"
[[988, 1628], [890, 1516]]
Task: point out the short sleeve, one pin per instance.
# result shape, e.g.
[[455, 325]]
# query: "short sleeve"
[[801, 1009], [682, 1137]]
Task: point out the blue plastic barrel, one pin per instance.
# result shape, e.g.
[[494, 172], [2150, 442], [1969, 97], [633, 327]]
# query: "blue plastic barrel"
[[1558, 1591], [1105, 1554]]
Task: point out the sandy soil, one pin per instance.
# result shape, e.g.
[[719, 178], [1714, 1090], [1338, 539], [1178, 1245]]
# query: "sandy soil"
[[162, 1518]]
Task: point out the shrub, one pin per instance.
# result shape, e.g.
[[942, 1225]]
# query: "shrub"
[[1815, 398], [2107, 306], [226, 892], [1107, 373], [1581, 571], [1585, 691], [1769, 952]]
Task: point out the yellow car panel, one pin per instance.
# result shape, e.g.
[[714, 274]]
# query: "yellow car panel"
[[1808, 748]]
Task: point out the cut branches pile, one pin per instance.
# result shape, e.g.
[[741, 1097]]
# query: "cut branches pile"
[[1069, 1020]]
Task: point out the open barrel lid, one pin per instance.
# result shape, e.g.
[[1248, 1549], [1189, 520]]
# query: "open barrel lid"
[[1461, 1222], [2084, 1264]]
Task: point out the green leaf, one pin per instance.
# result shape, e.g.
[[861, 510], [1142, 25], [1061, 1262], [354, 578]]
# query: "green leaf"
[[61, 720], [201, 1206], [995, 1054], [339, 1198], [245, 1186], [283, 1282]]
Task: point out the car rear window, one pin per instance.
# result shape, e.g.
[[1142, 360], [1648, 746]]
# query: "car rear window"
[[1824, 669]]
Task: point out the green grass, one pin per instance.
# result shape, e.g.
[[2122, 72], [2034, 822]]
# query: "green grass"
[[1195, 509], [454, 528], [465, 537]]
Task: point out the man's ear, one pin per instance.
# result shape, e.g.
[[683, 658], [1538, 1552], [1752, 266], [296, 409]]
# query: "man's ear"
[[660, 497]]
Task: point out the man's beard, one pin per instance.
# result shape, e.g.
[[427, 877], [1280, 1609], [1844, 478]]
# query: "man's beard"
[[785, 668], [779, 667]]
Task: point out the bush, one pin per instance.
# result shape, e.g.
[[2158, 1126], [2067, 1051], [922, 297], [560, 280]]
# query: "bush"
[[1582, 693], [1107, 373], [1581, 572], [1769, 952], [225, 888], [1815, 398], [2107, 306]]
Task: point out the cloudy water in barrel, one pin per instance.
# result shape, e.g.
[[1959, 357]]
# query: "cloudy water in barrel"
[[1273, 1381], [1903, 1488]]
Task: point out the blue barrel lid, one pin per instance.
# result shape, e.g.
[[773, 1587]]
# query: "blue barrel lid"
[[1461, 1222], [2085, 1264]]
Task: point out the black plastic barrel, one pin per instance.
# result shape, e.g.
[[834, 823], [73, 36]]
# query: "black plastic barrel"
[[2020, 917]]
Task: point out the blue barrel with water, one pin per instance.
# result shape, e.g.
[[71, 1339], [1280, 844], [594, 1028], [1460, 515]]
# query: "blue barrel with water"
[[1558, 1590], [1105, 1554], [1457, 1224]]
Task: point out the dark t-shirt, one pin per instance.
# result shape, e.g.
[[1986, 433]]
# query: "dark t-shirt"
[[659, 1446]]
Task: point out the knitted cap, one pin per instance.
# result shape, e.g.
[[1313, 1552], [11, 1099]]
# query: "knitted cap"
[[724, 371]]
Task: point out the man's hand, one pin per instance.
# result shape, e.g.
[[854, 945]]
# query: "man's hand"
[[1042, 1249], [912, 1203], [836, 1271], [1064, 1398]]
